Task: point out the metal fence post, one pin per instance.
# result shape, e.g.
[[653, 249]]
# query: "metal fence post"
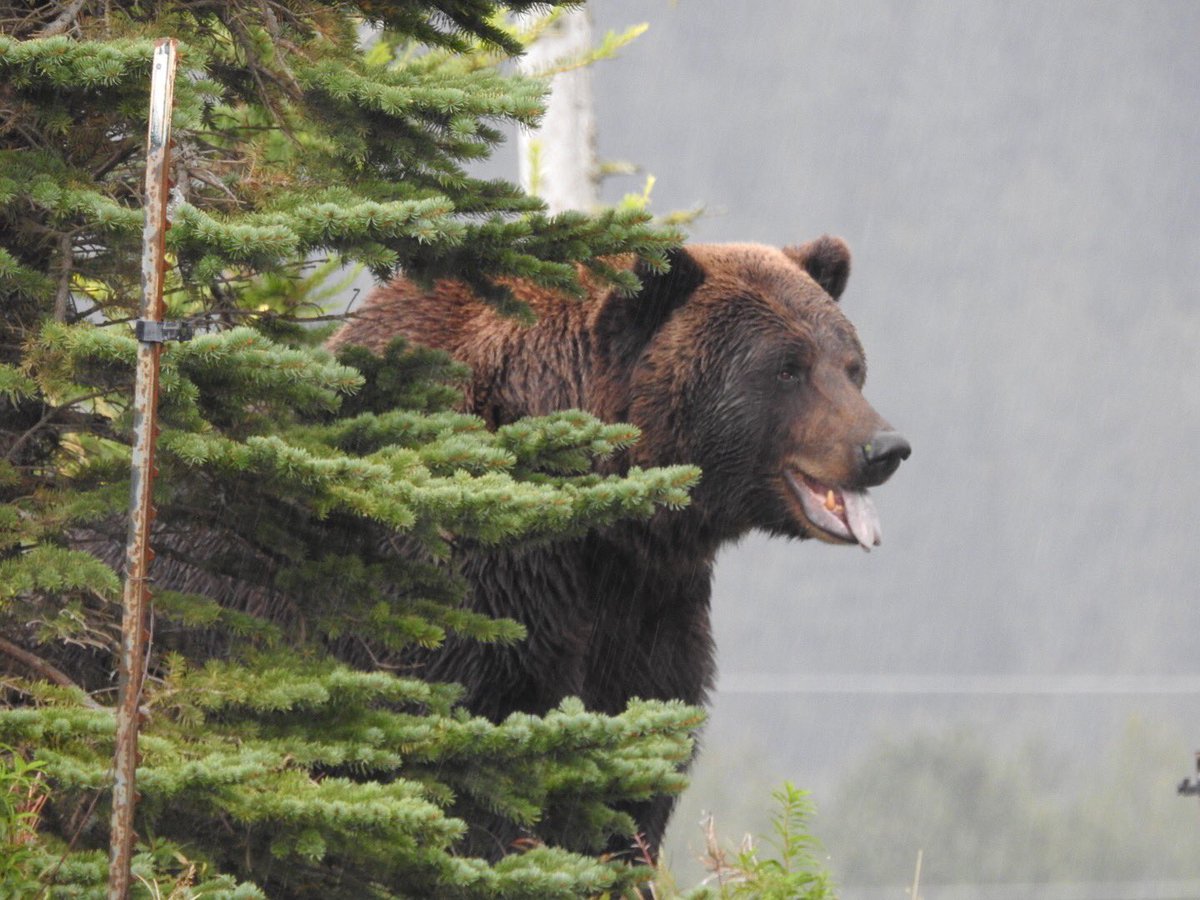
[[134, 633]]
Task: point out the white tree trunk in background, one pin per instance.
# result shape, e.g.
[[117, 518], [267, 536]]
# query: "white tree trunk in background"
[[566, 170]]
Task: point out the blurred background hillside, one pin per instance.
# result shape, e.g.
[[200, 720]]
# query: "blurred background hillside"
[[1010, 683]]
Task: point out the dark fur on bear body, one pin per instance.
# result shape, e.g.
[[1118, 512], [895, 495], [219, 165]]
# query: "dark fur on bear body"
[[738, 360]]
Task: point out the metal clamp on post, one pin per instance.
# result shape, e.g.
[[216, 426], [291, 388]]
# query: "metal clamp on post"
[[150, 332]]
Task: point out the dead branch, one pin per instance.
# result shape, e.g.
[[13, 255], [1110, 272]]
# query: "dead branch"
[[64, 21], [43, 668], [66, 251], [50, 413]]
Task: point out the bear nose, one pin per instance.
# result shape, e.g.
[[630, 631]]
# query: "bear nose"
[[882, 455]]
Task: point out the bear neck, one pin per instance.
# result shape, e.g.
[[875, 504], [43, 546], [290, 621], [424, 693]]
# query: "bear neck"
[[666, 560]]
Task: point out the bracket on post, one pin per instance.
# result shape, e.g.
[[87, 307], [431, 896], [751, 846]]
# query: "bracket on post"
[[149, 331]]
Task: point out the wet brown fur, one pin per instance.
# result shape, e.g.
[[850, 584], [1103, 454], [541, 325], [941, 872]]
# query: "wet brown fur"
[[698, 362]]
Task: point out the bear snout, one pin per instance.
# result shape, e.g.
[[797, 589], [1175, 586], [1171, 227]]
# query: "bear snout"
[[882, 455]]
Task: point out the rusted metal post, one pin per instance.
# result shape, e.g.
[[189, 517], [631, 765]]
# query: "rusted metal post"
[[134, 632]]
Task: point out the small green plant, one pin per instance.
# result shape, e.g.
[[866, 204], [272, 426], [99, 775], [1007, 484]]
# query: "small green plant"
[[794, 872], [22, 795]]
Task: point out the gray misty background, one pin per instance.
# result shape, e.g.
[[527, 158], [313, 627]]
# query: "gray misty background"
[[1010, 683]]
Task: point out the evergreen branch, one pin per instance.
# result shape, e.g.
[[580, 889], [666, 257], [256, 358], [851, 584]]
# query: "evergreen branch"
[[283, 78], [307, 514], [47, 671], [608, 48], [14, 385]]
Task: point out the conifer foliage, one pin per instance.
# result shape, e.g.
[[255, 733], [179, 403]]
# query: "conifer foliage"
[[310, 508]]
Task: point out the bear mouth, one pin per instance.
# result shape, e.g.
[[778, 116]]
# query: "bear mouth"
[[840, 514]]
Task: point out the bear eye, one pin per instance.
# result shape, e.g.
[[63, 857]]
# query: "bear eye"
[[788, 374]]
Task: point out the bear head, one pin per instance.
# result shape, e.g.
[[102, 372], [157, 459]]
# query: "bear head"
[[739, 359]]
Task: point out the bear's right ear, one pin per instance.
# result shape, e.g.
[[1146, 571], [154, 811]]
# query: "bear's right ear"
[[827, 260], [626, 324]]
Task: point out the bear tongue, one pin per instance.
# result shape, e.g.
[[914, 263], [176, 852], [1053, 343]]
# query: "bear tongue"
[[862, 518], [840, 511]]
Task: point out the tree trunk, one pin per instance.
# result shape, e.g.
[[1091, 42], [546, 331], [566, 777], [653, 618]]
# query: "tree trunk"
[[558, 159]]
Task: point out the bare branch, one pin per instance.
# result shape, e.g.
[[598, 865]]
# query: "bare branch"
[[64, 21], [66, 252], [213, 181], [50, 413], [120, 155], [43, 668]]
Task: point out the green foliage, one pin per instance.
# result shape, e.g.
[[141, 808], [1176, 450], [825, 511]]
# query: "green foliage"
[[309, 507], [793, 872], [28, 862], [21, 794], [796, 871]]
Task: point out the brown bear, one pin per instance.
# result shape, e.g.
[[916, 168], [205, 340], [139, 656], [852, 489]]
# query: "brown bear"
[[739, 360]]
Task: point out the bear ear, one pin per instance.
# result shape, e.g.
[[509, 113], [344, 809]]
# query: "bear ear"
[[827, 260], [627, 323]]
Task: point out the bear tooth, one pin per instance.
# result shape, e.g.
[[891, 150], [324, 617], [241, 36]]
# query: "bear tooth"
[[830, 501]]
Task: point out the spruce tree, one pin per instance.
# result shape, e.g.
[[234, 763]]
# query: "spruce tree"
[[309, 508]]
